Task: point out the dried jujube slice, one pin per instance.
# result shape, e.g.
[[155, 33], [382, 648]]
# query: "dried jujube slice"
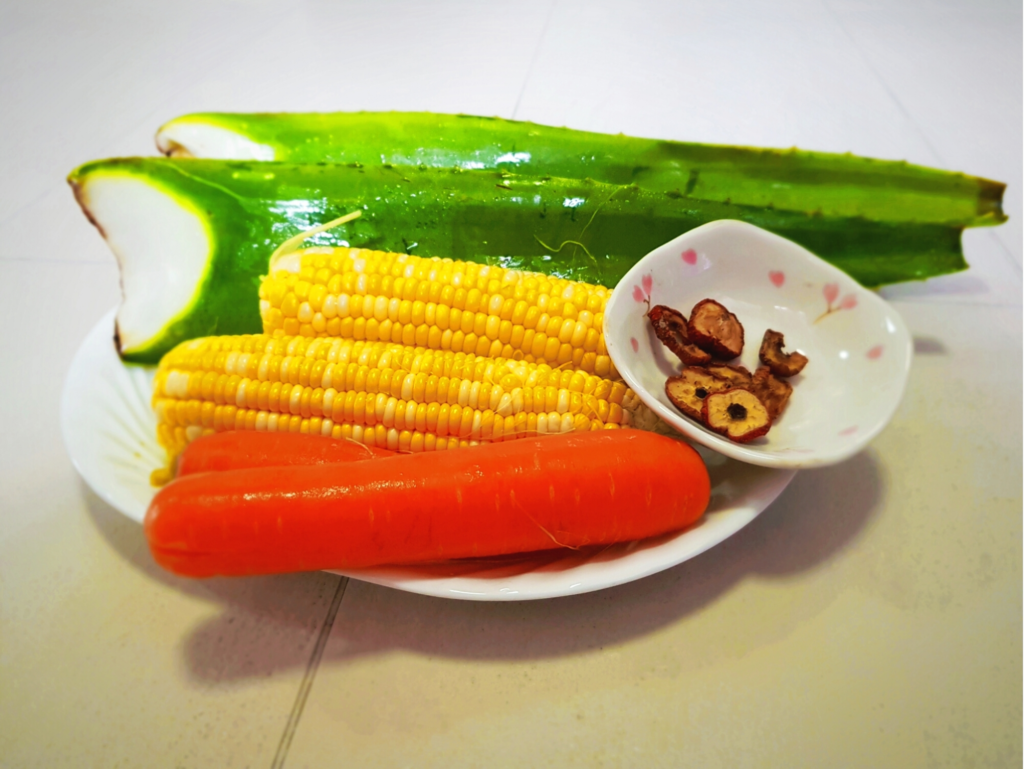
[[737, 414], [688, 390], [780, 363], [737, 376], [671, 329], [714, 329], [773, 393]]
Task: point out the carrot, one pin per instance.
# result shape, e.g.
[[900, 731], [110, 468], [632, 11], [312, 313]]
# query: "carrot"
[[237, 449], [529, 494]]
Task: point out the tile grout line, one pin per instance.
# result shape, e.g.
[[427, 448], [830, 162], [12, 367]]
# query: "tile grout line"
[[128, 132], [307, 679], [1006, 250], [533, 59], [13, 214], [882, 82], [940, 303], [57, 260]]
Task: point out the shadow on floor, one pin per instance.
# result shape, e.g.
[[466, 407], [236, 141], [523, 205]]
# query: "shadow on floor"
[[270, 624], [820, 514]]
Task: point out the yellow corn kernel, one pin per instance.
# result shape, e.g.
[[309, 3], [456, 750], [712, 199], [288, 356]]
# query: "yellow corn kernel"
[[492, 303], [376, 390]]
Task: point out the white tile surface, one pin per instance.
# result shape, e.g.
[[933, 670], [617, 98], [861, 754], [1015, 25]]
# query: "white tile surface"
[[36, 357], [729, 72], [871, 617]]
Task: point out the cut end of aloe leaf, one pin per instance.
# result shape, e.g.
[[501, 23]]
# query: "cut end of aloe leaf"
[[192, 136], [161, 244], [990, 202]]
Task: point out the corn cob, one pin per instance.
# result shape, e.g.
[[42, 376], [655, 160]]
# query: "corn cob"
[[439, 304], [381, 394]]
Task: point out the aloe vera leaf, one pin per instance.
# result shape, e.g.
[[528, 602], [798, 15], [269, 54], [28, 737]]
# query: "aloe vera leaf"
[[831, 184], [581, 229]]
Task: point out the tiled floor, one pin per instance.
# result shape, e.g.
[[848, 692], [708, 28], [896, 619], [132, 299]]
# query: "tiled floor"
[[871, 617]]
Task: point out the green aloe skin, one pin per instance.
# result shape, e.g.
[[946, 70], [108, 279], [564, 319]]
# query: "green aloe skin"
[[490, 217], [796, 180]]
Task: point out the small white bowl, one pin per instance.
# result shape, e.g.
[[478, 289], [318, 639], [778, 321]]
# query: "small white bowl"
[[858, 346]]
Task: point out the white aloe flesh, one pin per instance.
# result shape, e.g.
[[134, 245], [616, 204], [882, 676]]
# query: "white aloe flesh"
[[162, 246], [187, 137]]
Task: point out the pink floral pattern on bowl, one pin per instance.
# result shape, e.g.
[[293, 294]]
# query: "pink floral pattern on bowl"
[[849, 390], [831, 293], [642, 293]]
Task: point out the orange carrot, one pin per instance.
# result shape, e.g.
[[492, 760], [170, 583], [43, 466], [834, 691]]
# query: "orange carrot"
[[529, 494], [237, 449]]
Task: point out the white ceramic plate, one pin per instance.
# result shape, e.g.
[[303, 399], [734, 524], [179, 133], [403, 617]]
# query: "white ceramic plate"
[[858, 346], [109, 430]]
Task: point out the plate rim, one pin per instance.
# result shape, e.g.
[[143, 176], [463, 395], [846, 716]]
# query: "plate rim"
[[631, 567]]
